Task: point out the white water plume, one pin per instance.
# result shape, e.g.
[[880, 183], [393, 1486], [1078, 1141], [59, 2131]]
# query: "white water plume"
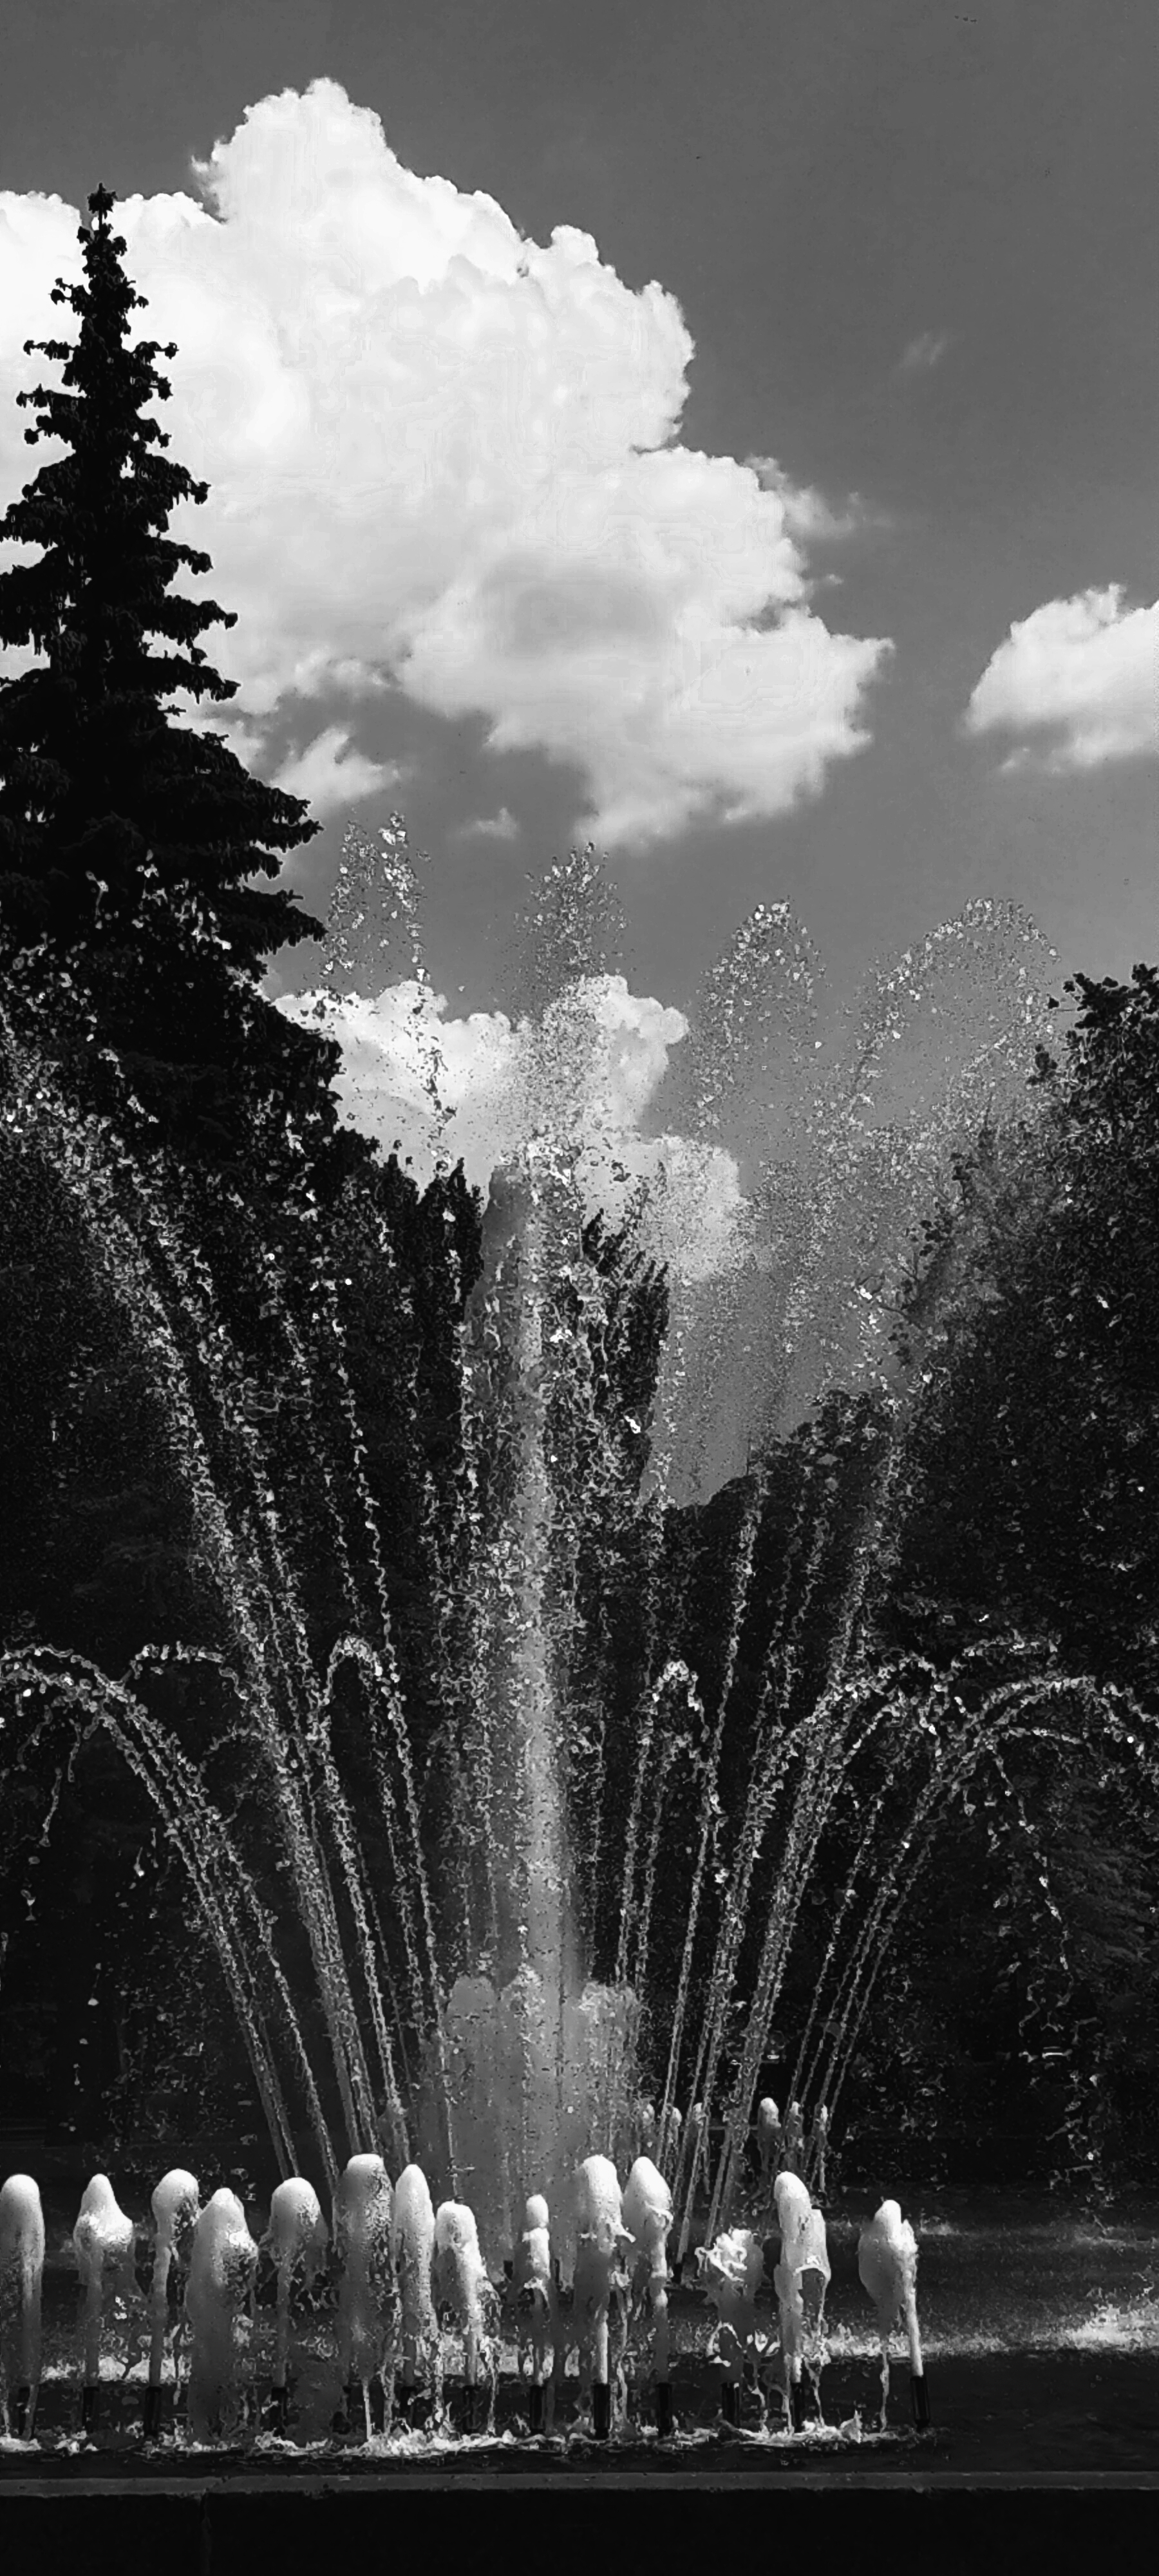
[[492, 1990]]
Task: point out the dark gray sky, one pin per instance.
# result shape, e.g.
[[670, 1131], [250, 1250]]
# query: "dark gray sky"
[[822, 185]]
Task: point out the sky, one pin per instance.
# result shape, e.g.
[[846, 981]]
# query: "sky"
[[722, 431]]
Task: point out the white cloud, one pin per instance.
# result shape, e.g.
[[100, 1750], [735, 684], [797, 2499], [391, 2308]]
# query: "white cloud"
[[491, 827], [442, 454], [923, 353], [329, 775], [809, 517], [482, 1088], [246, 741], [1077, 683]]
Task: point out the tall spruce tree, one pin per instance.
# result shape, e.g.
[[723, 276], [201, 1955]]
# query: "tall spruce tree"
[[128, 839]]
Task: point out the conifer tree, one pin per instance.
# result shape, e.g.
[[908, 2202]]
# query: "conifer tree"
[[128, 839]]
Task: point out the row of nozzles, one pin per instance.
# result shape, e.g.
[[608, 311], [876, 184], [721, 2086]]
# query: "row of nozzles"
[[404, 2269]]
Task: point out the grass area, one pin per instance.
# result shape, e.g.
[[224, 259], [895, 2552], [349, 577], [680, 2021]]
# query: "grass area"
[[1005, 2274], [1040, 2330], [996, 2275]]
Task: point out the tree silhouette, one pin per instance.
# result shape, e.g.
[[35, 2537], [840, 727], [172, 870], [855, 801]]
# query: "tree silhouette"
[[128, 838]]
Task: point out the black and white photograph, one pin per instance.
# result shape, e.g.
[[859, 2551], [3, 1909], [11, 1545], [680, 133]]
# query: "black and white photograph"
[[579, 1283]]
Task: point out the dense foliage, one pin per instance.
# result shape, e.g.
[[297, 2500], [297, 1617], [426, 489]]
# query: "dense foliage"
[[1034, 1464], [1020, 1530]]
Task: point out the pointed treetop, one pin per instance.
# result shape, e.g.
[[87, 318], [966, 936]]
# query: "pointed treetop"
[[100, 774], [101, 204]]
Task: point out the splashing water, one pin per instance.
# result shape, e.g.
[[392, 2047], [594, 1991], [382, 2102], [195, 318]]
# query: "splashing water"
[[491, 2002]]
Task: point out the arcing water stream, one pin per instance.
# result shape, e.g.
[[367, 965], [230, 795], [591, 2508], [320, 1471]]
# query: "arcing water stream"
[[487, 2002]]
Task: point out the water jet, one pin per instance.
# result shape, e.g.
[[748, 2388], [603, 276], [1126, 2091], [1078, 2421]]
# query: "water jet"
[[582, 1968]]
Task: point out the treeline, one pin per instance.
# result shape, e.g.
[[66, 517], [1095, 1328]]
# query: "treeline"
[[997, 1520]]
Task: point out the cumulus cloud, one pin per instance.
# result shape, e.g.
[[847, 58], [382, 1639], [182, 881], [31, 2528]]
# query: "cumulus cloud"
[[247, 741], [491, 827], [484, 1087], [1077, 683], [328, 774], [809, 517], [443, 456], [923, 353]]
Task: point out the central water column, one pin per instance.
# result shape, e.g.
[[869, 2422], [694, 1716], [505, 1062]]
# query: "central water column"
[[537, 2057], [528, 1818]]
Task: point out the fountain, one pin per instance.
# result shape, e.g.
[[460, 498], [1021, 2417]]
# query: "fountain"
[[647, 2209], [103, 2242], [800, 2279], [887, 2260], [583, 1970], [21, 2273], [295, 2240], [537, 2319], [368, 2294], [598, 2276], [462, 2283], [223, 2260], [731, 2269], [414, 2250]]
